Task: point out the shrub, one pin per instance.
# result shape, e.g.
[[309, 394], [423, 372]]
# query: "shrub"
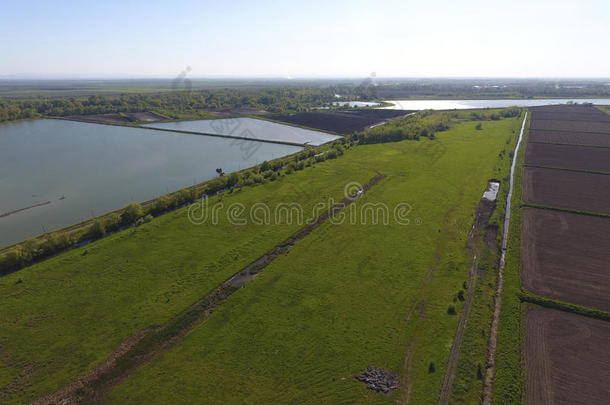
[[132, 212], [431, 367], [162, 204], [461, 295], [451, 309], [112, 222], [98, 229], [233, 180], [479, 126]]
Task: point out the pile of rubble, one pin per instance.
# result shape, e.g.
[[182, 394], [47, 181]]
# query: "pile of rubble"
[[378, 379]]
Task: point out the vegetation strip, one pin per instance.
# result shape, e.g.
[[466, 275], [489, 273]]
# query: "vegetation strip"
[[459, 334], [581, 212], [489, 372], [567, 169], [143, 347], [569, 144]]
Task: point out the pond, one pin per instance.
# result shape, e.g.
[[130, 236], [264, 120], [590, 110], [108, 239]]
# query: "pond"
[[467, 104], [250, 128], [56, 173]]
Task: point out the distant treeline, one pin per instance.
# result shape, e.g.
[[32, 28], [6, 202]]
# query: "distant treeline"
[[474, 88], [426, 124], [169, 104]]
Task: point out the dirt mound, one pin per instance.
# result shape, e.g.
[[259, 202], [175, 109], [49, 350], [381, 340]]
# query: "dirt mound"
[[378, 379]]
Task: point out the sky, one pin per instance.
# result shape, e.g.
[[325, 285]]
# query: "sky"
[[292, 39]]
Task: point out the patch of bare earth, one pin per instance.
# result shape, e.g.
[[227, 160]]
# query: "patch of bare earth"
[[565, 189], [566, 256], [568, 156], [566, 357]]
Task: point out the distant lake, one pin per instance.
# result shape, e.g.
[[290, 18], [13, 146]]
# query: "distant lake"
[[466, 104], [250, 128], [357, 103], [84, 170]]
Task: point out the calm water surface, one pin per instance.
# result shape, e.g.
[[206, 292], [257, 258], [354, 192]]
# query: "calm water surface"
[[250, 128], [84, 170], [466, 104]]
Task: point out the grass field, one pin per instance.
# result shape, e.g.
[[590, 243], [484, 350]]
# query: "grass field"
[[348, 296], [61, 317]]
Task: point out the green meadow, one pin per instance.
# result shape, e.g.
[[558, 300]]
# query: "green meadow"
[[61, 317], [350, 295]]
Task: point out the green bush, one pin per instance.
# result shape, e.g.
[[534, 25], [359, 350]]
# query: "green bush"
[[131, 213], [98, 229]]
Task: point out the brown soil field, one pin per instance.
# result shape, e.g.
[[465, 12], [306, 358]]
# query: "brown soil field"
[[566, 109], [565, 256], [116, 118], [568, 156], [566, 358], [565, 189], [577, 126], [340, 122], [601, 117], [571, 138]]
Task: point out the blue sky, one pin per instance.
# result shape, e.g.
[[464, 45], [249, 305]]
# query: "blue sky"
[[305, 38]]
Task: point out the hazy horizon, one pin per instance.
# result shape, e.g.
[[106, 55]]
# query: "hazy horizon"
[[343, 39]]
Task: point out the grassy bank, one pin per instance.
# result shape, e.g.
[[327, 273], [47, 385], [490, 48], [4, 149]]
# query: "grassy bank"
[[468, 384], [60, 317], [507, 387]]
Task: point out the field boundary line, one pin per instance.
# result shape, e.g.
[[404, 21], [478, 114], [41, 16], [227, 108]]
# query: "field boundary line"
[[568, 144], [569, 130], [566, 169], [568, 210], [590, 312]]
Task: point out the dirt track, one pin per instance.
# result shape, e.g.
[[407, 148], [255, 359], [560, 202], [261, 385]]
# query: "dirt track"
[[568, 156], [565, 256], [566, 357], [568, 190], [482, 216], [340, 122]]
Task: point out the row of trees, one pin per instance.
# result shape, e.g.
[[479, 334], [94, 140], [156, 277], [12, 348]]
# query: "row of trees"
[[413, 126], [169, 104], [426, 124]]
